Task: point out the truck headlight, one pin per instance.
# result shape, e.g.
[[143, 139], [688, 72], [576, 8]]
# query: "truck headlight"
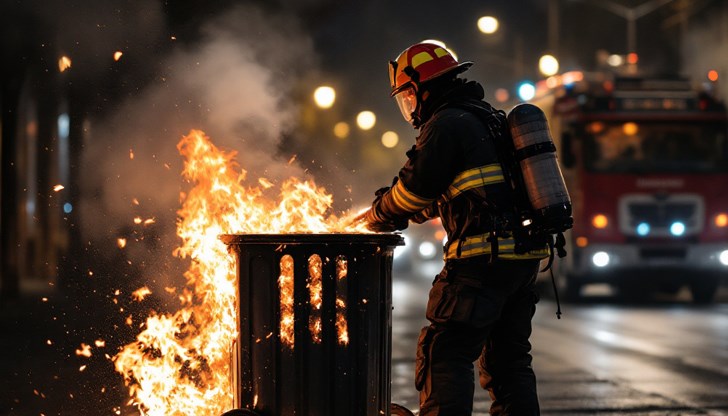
[[600, 259], [677, 228], [723, 257]]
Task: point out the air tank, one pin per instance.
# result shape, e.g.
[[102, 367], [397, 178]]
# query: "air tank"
[[535, 153]]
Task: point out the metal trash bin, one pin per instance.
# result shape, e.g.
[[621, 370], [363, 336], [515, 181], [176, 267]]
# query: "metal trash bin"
[[314, 319]]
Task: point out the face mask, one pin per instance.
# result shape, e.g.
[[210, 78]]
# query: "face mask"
[[407, 102]]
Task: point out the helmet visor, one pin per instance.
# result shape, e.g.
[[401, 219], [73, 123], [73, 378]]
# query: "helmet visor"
[[407, 102]]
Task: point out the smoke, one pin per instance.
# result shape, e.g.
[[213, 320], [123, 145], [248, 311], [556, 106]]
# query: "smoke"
[[235, 85]]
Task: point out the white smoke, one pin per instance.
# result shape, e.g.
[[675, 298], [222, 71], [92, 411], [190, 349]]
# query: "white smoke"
[[235, 85]]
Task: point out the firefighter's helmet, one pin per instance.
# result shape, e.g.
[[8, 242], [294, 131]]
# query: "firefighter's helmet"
[[422, 62], [419, 63]]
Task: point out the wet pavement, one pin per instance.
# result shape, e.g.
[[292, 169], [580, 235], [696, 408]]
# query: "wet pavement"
[[664, 358]]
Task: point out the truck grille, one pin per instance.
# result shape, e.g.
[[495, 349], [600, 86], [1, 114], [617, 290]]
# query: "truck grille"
[[659, 212]]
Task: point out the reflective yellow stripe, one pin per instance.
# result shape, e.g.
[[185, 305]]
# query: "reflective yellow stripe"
[[407, 200], [478, 245], [475, 178]]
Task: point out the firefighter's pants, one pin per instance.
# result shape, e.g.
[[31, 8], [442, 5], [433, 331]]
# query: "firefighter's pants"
[[479, 311]]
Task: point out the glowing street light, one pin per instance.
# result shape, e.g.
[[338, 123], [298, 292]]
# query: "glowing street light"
[[366, 120], [488, 24], [324, 96], [548, 65]]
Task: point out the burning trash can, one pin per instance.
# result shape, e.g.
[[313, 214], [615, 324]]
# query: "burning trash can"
[[314, 319]]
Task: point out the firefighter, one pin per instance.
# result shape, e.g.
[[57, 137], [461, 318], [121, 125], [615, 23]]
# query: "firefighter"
[[481, 304]]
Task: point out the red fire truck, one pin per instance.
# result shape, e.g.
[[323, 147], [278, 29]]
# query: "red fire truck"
[[646, 165]]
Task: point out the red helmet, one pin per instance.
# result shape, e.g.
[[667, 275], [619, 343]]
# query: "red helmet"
[[422, 62]]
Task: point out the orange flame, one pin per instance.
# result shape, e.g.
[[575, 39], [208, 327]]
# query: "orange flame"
[[315, 287], [179, 363]]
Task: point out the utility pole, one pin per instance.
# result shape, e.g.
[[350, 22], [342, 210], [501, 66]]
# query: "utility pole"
[[631, 14]]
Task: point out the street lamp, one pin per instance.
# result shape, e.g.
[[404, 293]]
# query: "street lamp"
[[488, 24], [548, 65], [324, 96], [366, 120]]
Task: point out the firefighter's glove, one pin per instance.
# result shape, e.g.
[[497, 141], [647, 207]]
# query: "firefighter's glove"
[[375, 221], [378, 226]]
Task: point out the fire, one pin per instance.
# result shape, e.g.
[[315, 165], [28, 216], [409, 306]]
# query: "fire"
[[179, 363], [342, 270], [64, 63], [285, 283], [315, 288]]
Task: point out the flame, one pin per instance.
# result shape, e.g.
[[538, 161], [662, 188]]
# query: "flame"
[[64, 63], [342, 270], [179, 363], [141, 293], [315, 288], [285, 283]]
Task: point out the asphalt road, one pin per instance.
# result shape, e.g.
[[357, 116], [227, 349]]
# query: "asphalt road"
[[663, 356]]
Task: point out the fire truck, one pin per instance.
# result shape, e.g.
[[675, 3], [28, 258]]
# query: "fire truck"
[[646, 164]]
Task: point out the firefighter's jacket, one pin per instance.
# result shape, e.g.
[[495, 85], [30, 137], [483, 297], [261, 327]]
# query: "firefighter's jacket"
[[453, 172]]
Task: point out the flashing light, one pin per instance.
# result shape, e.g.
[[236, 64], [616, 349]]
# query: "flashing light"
[[643, 229], [600, 259], [630, 128], [723, 257], [600, 221], [677, 228], [526, 91], [67, 208], [721, 220]]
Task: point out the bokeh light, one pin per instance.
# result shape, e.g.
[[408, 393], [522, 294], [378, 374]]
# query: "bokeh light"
[[390, 139], [341, 130], [488, 24], [324, 96], [366, 120]]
